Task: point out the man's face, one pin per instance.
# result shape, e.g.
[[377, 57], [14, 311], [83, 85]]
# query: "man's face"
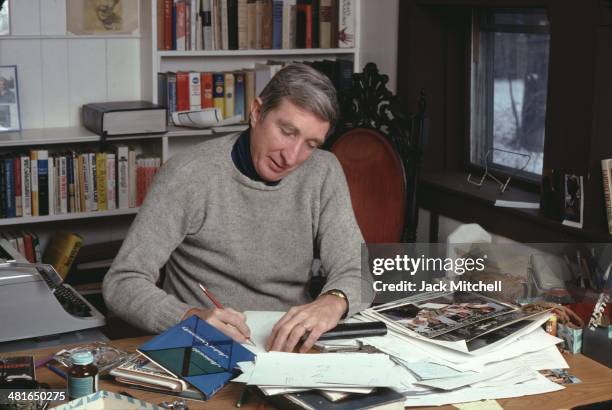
[[3, 86], [284, 139]]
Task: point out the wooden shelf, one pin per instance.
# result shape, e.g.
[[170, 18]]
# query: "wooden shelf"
[[258, 52], [64, 217]]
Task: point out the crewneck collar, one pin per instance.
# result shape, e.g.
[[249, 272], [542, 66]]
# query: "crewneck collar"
[[243, 160]]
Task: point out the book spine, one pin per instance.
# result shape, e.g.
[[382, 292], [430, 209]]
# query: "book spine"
[[195, 91], [26, 172], [267, 25], [243, 35], [206, 79], [606, 170], [346, 24], [160, 24], [168, 24], [325, 16], [182, 91], [9, 187], [34, 177], [229, 95], [101, 184], [193, 12], [277, 24], [18, 188], [171, 95], [207, 25], [239, 96], [199, 28], [335, 13], [123, 177], [218, 92], [249, 90], [288, 24], [52, 185], [43, 182], [86, 183], [251, 23], [232, 24], [223, 13], [216, 24], [259, 11], [70, 182], [187, 25], [2, 189], [111, 181], [93, 181], [181, 34], [132, 177], [29, 247], [63, 184]]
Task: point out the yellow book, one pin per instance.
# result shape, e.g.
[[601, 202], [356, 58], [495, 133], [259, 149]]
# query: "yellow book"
[[229, 95], [101, 180], [61, 251]]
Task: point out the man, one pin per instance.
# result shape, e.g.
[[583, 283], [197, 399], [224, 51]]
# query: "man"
[[243, 215]]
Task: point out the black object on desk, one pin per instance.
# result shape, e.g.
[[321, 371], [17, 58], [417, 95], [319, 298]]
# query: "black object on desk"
[[355, 330]]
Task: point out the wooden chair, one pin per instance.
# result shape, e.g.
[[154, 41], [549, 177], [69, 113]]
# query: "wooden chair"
[[379, 149]]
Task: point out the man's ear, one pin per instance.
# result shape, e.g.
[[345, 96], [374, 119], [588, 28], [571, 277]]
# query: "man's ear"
[[255, 111]]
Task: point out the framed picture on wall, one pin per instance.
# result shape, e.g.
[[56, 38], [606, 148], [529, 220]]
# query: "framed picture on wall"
[[10, 119], [5, 28], [89, 17]]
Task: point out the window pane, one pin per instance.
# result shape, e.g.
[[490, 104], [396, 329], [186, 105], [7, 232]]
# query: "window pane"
[[519, 98], [528, 19]]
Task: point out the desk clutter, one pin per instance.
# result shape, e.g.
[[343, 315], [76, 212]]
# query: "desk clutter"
[[404, 366]]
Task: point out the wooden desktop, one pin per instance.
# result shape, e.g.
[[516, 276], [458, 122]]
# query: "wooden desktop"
[[596, 385]]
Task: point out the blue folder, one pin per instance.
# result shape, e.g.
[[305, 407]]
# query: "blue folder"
[[198, 353]]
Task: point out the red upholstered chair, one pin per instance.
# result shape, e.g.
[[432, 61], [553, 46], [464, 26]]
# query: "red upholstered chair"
[[379, 148]]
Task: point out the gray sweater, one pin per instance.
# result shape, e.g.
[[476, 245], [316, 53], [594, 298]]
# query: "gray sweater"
[[251, 244]]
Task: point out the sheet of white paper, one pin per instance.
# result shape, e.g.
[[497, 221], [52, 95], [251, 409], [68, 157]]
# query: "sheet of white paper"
[[468, 394], [479, 405], [547, 358], [490, 371], [260, 323], [517, 204], [324, 370], [429, 370], [520, 375]]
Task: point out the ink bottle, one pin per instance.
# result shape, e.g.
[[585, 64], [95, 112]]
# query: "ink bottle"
[[82, 375]]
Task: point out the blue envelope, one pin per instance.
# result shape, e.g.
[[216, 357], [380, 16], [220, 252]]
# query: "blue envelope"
[[198, 353]]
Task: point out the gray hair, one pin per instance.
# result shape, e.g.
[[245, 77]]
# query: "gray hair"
[[305, 87]]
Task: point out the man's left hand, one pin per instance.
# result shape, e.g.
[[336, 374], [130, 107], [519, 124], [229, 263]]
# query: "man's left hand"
[[312, 319]]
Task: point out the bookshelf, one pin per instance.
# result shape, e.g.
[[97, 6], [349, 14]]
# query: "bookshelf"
[[81, 69]]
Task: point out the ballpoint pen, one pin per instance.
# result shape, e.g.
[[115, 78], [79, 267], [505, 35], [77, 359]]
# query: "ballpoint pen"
[[218, 305]]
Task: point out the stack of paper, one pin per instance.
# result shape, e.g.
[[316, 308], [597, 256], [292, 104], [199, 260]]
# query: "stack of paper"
[[426, 373]]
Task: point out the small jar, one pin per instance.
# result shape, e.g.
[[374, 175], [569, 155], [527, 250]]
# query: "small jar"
[[82, 375]]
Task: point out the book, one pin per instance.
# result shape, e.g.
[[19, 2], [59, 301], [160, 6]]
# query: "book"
[[168, 29], [229, 95], [197, 353], [289, 23], [266, 24], [259, 12], [242, 20], [223, 13], [380, 399], [239, 96], [206, 81], [277, 24], [181, 34], [182, 91], [251, 24], [18, 188], [207, 35], [606, 171], [346, 24], [325, 23], [119, 118], [100, 176], [26, 185], [218, 91], [9, 186], [61, 251], [195, 91], [232, 24], [111, 181], [43, 182]]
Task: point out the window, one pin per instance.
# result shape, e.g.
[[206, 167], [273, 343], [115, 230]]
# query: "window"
[[508, 90]]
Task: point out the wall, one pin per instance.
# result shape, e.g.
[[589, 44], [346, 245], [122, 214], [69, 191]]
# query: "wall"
[[57, 73], [379, 35]]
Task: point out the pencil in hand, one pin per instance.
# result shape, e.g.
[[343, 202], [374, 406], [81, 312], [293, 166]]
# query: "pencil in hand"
[[218, 305]]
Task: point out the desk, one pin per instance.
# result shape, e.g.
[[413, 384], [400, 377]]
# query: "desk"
[[596, 385]]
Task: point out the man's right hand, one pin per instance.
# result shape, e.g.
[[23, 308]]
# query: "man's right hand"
[[227, 320]]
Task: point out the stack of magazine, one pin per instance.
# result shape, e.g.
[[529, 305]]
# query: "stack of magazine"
[[463, 321]]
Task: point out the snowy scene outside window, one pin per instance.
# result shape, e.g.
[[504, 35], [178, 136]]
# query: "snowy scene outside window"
[[508, 89]]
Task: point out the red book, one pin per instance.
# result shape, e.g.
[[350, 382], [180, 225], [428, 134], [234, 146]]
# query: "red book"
[[181, 33], [29, 247], [167, 24], [306, 9], [182, 91], [17, 182], [206, 81]]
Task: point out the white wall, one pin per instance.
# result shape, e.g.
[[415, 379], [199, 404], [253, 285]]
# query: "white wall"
[[57, 73], [379, 22]]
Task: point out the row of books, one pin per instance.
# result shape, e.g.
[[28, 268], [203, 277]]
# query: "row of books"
[[42, 183], [233, 92], [255, 24], [26, 243]]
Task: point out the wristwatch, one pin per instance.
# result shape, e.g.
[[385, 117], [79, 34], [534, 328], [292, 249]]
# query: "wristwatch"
[[341, 295]]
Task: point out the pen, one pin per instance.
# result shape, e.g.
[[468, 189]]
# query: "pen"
[[243, 397], [218, 304], [57, 371]]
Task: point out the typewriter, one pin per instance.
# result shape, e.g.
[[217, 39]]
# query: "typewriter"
[[34, 302]]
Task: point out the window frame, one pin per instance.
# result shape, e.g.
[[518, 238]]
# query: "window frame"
[[482, 23]]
